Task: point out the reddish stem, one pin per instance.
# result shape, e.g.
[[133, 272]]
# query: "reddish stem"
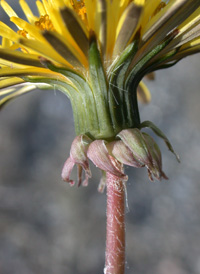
[[115, 238]]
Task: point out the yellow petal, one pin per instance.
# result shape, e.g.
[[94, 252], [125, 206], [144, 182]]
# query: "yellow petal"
[[8, 33], [143, 93], [8, 82], [7, 8], [61, 47], [6, 72], [91, 8], [32, 30], [6, 43], [46, 51], [101, 23], [41, 8], [149, 9], [187, 30], [193, 19], [195, 42], [15, 94], [20, 57], [76, 28], [60, 26], [139, 2], [173, 14], [127, 26], [27, 11], [46, 6], [111, 32], [188, 36]]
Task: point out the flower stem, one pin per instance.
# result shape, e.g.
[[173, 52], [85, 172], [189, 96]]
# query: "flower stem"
[[115, 238]]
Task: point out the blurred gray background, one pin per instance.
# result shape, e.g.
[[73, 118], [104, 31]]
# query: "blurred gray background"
[[48, 227]]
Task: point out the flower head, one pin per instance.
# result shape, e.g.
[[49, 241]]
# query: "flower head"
[[97, 52]]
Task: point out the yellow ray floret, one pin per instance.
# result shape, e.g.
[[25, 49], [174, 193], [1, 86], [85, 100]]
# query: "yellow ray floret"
[[8, 82], [14, 93], [143, 93], [7, 8], [130, 17], [27, 11], [41, 8], [63, 30]]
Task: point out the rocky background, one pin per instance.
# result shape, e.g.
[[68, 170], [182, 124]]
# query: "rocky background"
[[48, 227]]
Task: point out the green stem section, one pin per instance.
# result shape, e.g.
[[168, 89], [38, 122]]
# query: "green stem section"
[[115, 236]]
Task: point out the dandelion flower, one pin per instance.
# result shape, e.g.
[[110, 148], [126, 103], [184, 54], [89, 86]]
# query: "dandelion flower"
[[97, 52]]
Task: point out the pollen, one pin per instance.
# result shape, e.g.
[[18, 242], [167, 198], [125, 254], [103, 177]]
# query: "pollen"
[[22, 33], [80, 9], [44, 23]]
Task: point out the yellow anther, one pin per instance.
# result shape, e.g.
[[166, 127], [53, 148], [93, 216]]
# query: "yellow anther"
[[44, 23], [82, 13], [75, 3], [79, 7], [22, 33]]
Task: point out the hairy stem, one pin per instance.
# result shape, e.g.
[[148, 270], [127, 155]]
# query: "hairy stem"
[[115, 238]]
